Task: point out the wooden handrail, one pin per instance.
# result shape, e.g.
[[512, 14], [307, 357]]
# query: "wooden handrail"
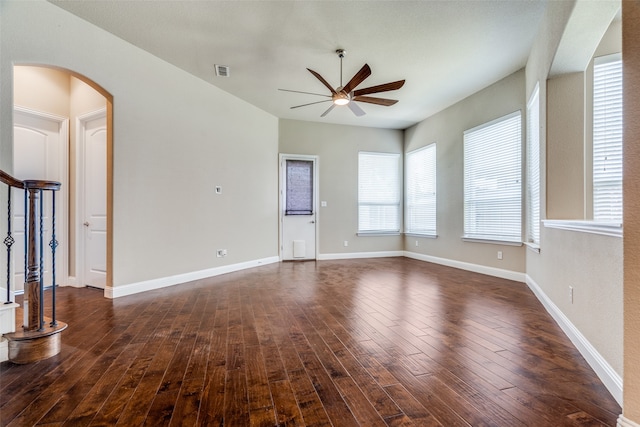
[[30, 183], [10, 181]]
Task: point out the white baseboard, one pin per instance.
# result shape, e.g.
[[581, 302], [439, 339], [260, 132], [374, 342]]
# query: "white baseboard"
[[4, 349], [353, 255], [476, 268], [624, 422], [605, 372], [163, 282]]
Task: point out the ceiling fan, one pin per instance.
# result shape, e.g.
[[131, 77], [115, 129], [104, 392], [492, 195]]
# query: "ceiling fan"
[[347, 95]]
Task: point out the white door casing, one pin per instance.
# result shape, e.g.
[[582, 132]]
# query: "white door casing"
[[91, 203], [40, 152], [298, 233]]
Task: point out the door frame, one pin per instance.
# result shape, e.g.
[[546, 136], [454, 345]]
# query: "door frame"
[[81, 122], [62, 219], [281, 198]]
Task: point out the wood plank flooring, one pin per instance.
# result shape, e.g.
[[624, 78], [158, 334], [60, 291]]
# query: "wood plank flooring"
[[379, 342]]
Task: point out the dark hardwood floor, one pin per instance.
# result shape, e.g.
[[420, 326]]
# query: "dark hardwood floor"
[[377, 342]]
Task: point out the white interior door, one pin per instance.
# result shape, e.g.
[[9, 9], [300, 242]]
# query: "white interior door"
[[39, 153], [298, 214], [94, 223]]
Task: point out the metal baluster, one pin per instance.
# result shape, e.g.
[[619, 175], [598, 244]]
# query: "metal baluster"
[[41, 239], [26, 210], [9, 241], [53, 244]]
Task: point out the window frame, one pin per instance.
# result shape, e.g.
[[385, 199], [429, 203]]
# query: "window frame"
[[532, 165], [479, 234], [397, 203], [614, 182], [430, 230]]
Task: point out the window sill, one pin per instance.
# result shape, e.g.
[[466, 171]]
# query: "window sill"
[[427, 236], [532, 246], [612, 229], [377, 233], [491, 241]]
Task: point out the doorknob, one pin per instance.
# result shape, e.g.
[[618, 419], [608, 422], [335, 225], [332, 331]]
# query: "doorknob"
[[86, 223]]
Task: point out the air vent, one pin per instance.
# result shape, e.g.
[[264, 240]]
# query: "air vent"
[[222, 71]]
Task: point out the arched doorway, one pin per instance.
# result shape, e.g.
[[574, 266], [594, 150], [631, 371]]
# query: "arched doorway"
[[83, 159]]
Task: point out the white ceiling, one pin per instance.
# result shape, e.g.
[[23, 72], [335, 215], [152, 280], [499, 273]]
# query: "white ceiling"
[[446, 50]]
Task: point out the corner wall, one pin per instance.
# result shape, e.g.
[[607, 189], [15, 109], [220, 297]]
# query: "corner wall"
[[175, 137], [446, 130]]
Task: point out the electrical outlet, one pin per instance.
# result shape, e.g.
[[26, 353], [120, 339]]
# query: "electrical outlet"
[[218, 189], [346, 243], [499, 254], [571, 294], [220, 253], [417, 244]]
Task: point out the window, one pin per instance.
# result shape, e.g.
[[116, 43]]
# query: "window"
[[299, 187], [607, 139], [378, 193], [533, 168], [421, 191], [492, 180]]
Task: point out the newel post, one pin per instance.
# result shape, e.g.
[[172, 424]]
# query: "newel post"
[[32, 284]]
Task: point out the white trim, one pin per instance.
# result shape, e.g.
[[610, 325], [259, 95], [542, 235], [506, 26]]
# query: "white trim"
[[476, 268], [81, 123], [534, 247], [609, 377], [612, 229], [163, 282], [491, 241], [354, 255], [625, 422], [426, 236]]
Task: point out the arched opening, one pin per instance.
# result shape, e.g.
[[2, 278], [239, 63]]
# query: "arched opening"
[[76, 115]]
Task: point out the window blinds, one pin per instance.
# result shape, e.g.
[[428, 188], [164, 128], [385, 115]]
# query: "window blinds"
[[421, 191], [492, 180], [607, 139], [378, 192]]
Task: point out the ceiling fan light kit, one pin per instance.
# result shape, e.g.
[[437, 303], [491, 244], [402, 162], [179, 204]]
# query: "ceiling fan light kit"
[[347, 95]]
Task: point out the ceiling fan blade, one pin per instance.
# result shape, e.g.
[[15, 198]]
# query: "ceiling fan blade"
[[311, 103], [324, 82], [372, 100], [364, 72], [306, 93], [328, 110], [379, 88], [356, 109]]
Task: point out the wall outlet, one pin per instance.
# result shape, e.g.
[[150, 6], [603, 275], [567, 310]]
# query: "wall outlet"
[[346, 243], [323, 204], [571, 294], [499, 254], [221, 253], [417, 243], [218, 189]]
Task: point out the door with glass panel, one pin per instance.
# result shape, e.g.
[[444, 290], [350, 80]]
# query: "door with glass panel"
[[298, 189]]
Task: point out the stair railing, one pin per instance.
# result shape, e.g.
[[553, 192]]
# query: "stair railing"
[[35, 192]]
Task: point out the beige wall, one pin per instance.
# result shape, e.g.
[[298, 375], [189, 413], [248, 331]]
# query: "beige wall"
[[41, 89], [631, 72], [590, 263], [337, 148], [446, 130], [175, 138], [565, 183]]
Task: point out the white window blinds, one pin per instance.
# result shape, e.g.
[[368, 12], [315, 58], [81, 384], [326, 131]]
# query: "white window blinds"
[[420, 217], [378, 192], [492, 180], [533, 167], [607, 139]]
